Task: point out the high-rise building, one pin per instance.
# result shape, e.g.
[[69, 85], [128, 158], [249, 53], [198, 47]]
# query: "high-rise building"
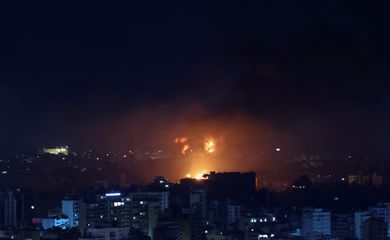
[[233, 212], [316, 223], [74, 210], [160, 198], [360, 217], [198, 203], [10, 206], [109, 210], [256, 224], [8, 210], [198, 213], [374, 229], [16, 208], [381, 211], [147, 206], [343, 226]]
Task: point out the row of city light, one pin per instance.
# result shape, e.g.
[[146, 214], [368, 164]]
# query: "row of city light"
[[299, 187], [265, 236], [254, 220], [118, 204], [258, 237]]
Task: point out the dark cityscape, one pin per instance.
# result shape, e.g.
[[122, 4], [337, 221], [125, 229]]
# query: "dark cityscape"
[[192, 120]]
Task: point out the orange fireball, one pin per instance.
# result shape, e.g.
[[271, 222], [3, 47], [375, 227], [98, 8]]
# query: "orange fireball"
[[185, 148], [209, 145]]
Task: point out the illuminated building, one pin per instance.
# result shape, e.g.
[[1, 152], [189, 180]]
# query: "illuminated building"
[[108, 210], [359, 179], [257, 225], [74, 210], [360, 217], [147, 206], [57, 150], [48, 223], [316, 223], [160, 198]]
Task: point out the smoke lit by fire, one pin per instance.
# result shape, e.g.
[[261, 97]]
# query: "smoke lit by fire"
[[189, 144], [181, 139]]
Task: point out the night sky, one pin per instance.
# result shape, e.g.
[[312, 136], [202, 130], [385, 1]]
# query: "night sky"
[[309, 76]]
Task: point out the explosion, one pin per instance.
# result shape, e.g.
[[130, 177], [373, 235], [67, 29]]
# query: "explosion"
[[182, 141], [209, 145], [197, 176], [185, 148], [199, 153]]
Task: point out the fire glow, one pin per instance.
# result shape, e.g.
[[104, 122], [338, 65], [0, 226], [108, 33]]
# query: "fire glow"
[[199, 153], [209, 145], [197, 176], [182, 141], [185, 148]]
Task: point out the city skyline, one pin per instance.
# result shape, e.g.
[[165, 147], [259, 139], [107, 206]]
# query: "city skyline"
[[195, 120]]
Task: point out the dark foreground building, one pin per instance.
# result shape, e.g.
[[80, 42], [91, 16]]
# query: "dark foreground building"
[[234, 185]]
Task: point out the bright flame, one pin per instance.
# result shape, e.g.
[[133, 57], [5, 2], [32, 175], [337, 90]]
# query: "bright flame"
[[199, 176], [199, 154], [185, 148], [182, 141], [209, 145]]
